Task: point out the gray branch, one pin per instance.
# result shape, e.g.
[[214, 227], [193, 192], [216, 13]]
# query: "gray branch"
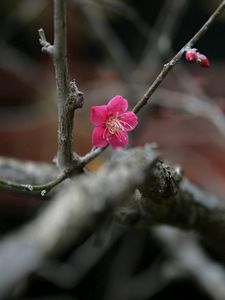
[[187, 259], [26, 171], [164, 198], [68, 96]]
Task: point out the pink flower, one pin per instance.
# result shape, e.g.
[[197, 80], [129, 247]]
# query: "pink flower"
[[112, 123]]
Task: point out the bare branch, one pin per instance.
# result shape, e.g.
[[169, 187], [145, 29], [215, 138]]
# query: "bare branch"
[[189, 260], [76, 209], [166, 199], [167, 67], [41, 189], [26, 171], [69, 97], [65, 116], [81, 205]]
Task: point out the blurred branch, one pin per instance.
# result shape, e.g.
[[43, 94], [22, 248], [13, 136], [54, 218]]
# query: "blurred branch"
[[15, 61], [77, 208], [108, 38], [196, 105], [128, 12], [189, 260], [181, 258], [166, 199], [26, 171], [70, 273], [80, 206], [160, 38]]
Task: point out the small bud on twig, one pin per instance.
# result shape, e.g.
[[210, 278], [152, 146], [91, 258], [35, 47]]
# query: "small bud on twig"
[[202, 60], [193, 55]]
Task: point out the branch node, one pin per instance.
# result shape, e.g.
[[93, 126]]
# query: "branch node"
[[75, 98], [46, 46]]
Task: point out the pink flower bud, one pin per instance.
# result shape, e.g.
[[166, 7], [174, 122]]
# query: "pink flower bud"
[[202, 60], [191, 55]]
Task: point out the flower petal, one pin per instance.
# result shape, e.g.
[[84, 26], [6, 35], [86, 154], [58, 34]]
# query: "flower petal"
[[98, 139], [118, 141], [129, 121], [99, 114], [117, 105]]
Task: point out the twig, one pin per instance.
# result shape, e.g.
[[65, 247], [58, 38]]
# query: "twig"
[[41, 189], [95, 152], [167, 67], [17, 172]]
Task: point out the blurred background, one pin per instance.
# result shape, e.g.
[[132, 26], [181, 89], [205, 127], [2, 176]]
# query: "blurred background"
[[114, 47]]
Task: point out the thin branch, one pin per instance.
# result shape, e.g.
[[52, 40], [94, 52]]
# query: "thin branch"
[[41, 189], [95, 152], [44, 188], [167, 67], [17, 172]]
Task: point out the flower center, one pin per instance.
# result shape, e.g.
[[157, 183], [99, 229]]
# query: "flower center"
[[114, 125]]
